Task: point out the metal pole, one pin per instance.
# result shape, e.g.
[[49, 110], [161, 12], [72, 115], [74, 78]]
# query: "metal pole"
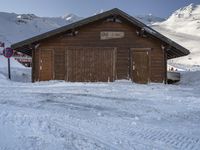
[[9, 76]]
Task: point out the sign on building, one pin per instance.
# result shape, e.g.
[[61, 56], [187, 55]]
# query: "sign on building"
[[106, 35]]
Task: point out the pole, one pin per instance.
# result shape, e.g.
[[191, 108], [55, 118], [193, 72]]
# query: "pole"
[[9, 76]]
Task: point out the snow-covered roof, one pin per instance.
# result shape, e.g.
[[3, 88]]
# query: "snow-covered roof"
[[173, 49]]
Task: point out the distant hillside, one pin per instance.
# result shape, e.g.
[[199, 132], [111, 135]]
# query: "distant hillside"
[[149, 19], [17, 27]]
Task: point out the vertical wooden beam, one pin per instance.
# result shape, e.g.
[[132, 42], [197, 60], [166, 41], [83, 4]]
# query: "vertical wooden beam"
[[33, 66], [115, 64], [52, 64], [129, 63], [165, 65], [150, 62]]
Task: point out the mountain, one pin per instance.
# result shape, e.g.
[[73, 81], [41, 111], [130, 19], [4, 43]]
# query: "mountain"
[[71, 18], [149, 19], [185, 20], [17, 27], [183, 26]]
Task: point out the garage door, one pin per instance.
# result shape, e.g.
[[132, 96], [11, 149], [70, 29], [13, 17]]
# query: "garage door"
[[86, 64]]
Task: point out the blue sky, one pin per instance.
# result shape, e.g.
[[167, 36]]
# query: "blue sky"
[[84, 8]]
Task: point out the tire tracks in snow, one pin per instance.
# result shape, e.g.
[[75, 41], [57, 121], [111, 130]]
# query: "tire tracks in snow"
[[175, 140]]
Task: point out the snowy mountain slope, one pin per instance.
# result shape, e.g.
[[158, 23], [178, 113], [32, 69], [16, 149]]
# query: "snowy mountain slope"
[[183, 26], [184, 20], [188, 41], [15, 27]]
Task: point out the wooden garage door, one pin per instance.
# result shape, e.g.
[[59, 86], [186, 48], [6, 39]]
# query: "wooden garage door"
[[86, 64], [45, 65], [140, 65]]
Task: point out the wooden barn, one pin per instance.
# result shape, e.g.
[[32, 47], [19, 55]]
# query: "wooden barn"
[[106, 47]]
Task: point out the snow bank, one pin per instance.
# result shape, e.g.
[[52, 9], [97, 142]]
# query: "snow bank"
[[18, 71], [13, 63], [190, 78]]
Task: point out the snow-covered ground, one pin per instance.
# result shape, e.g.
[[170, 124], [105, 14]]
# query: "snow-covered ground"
[[91, 116]]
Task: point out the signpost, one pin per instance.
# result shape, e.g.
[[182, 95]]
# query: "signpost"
[[8, 52]]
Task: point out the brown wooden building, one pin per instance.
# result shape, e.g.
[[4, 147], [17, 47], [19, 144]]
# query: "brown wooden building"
[[105, 47]]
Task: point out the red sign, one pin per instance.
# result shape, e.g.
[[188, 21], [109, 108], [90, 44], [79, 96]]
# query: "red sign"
[[8, 52]]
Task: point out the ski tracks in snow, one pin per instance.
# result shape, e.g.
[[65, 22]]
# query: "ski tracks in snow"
[[46, 120]]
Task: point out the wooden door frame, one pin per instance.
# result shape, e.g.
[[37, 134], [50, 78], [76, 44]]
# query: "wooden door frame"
[[131, 61]]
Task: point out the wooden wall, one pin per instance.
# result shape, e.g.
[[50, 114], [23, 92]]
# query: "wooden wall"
[[89, 36]]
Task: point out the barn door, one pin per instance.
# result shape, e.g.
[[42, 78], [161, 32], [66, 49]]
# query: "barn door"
[[140, 63], [45, 65], [90, 64]]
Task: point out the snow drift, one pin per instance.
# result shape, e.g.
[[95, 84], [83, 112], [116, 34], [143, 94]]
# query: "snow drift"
[[18, 71]]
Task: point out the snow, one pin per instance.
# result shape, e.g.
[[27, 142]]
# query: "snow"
[[13, 62], [185, 20], [18, 71], [18, 27], [183, 27], [119, 115]]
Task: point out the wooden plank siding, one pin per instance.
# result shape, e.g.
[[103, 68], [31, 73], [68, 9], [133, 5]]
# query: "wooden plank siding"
[[59, 64], [89, 36]]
